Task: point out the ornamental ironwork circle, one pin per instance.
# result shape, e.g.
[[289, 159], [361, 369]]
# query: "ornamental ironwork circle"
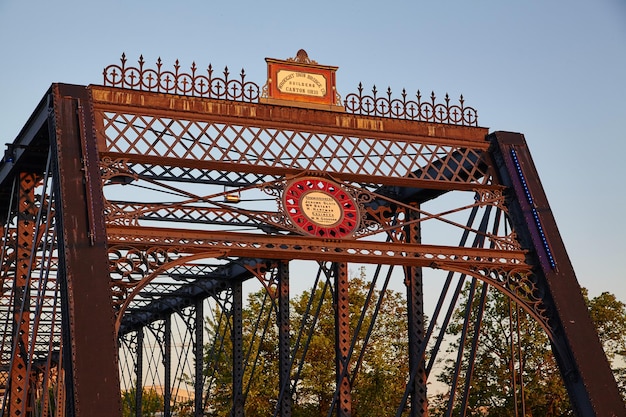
[[320, 208]]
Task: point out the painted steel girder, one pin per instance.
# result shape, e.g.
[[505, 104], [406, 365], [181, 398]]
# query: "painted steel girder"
[[21, 379], [577, 349], [205, 285], [310, 248], [88, 330]]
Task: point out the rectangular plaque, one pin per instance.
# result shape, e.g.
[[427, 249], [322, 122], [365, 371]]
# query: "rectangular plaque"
[[301, 82]]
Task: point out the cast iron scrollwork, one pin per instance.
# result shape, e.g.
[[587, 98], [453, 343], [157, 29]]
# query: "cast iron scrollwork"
[[521, 285], [267, 274], [196, 83], [412, 109], [192, 83], [128, 266]]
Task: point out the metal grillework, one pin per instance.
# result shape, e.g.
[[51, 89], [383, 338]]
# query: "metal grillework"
[[194, 83], [190, 83], [411, 109], [247, 145]]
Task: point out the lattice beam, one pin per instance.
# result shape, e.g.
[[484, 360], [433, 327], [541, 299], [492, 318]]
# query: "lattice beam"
[[301, 247]]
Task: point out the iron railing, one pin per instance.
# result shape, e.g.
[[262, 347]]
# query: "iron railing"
[[208, 84]]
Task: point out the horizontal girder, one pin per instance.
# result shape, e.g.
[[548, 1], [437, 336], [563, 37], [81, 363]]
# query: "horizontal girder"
[[310, 248], [212, 135]]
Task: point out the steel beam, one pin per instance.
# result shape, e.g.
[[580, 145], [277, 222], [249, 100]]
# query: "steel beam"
[[175, 300], [582, 361], [342, 340], [198, 386], [87, 125], [89, 333], [284, 349], [280, 117], [25, 259], [415, 322], [139, 374], [311, 248], [237, 338], [167, 365]]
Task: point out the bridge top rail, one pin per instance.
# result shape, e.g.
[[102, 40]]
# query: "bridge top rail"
[[208, 83]]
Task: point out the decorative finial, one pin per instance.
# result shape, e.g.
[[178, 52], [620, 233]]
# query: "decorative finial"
[[303, 58]]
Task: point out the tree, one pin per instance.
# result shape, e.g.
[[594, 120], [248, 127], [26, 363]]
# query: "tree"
[[151, 402], [515, 372], [378, 386], [609, 316], [380, 380]]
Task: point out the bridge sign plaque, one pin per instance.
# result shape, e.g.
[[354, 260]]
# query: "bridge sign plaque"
[[301, 82], [320, 207]]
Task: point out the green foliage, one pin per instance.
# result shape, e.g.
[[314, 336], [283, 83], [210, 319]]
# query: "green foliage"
[[515, 369], [377, 389], [609, 316], [151, 402]]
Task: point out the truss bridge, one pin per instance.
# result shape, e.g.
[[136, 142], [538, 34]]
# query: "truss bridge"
[[146, 218]]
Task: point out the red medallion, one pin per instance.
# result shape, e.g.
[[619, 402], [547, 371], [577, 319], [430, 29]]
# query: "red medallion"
[[320, 208]]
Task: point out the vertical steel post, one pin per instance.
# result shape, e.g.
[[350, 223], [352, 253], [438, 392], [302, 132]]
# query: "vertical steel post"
[[88, 319], [198, 385], [342, 339], [19, 379], [415, 312], [237, 337], [139, 374], [284, 355], [167, 364]]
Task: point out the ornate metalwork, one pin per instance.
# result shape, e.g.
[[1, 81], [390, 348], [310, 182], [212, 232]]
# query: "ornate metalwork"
[[411, 109], [267, 274], [196, 84], [241, 146], [520, 285], [302, 247], [319, 207], [129, 266], [190, 83], [302, 57]]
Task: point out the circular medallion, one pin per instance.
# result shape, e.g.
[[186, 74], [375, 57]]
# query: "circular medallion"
[[321, 208]]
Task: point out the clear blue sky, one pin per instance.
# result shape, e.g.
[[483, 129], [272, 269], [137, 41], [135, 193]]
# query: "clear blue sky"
[[552, 70]]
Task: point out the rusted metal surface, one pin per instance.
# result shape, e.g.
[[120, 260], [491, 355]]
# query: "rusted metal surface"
[[238, 350], [252, 138], [90, 345], [28, 298], [342, 340], [21, 369], [162, 241], [284, 350]]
